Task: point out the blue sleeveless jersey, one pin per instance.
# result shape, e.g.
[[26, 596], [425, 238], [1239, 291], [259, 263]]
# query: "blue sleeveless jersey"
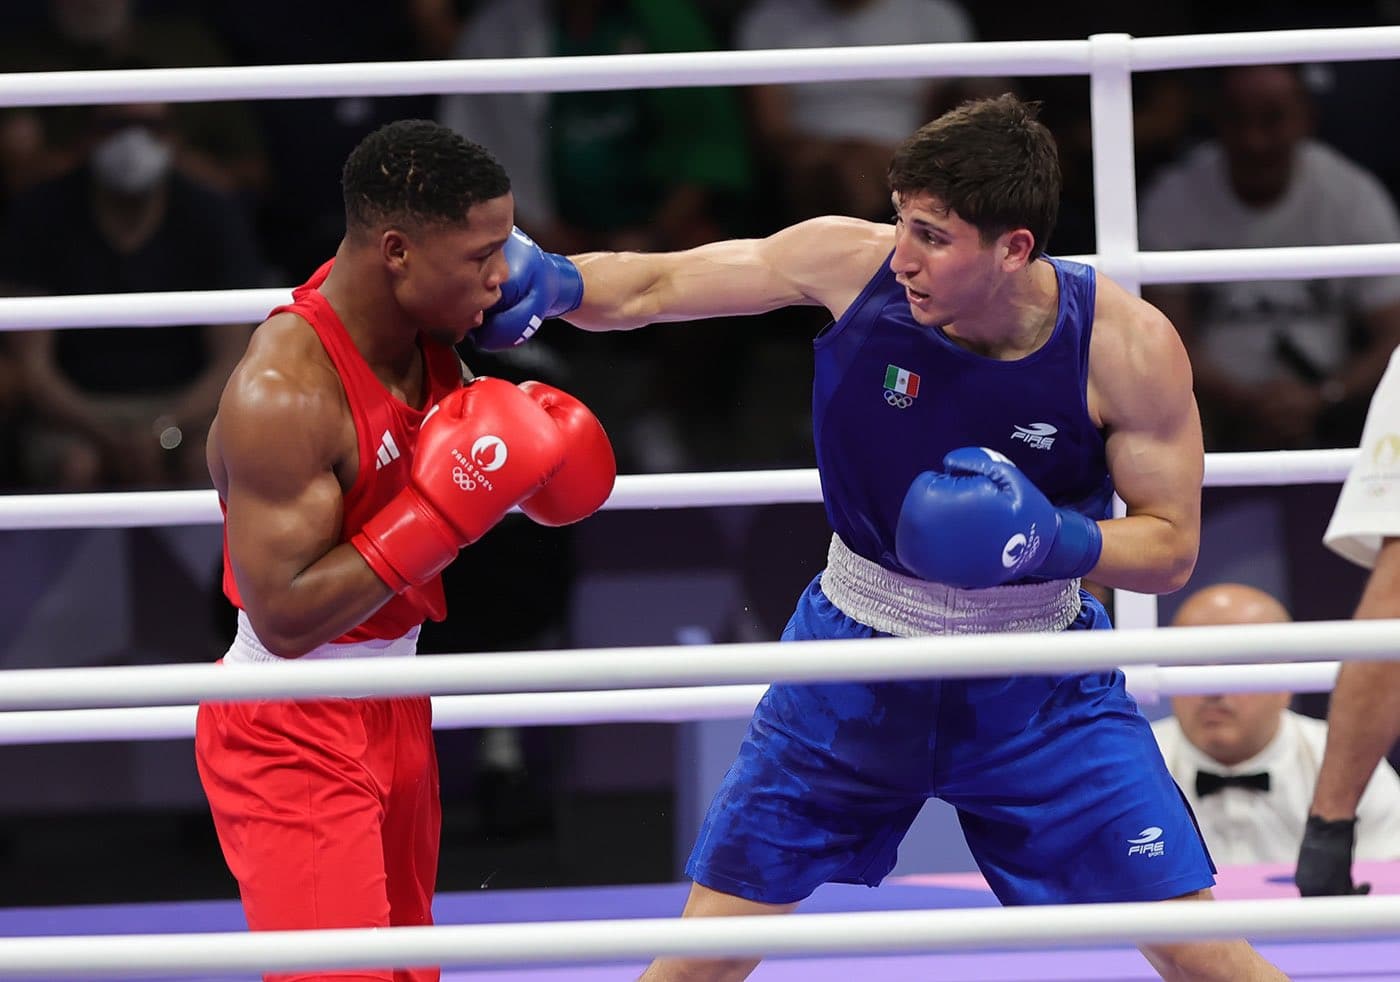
[[830, 776], [891, 397]]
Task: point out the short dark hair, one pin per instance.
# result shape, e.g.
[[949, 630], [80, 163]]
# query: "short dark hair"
[[420, 173], [990, 160]]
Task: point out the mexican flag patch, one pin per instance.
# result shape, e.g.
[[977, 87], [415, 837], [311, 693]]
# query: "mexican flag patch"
[[901, 380]]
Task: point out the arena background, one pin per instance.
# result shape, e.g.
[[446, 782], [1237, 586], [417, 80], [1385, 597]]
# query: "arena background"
[[591, 805]]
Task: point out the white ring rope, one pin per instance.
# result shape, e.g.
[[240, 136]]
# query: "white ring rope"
[[124, 509], [1277, 263], [1148, 684], [986, 58], [1278, 467], [863, 933], [175, 308], [951, 656], [128, 509], [251, 306], [1263, 48], [558, 74]]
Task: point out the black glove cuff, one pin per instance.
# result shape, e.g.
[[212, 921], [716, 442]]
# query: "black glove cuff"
[[1343, 829]]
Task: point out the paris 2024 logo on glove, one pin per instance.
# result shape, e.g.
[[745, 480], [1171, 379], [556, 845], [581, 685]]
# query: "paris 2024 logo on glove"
[[1020, 548], [488, 454]]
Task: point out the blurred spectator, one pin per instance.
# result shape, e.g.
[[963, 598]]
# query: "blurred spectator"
[[629, 169], [301, 216], [1248, 765], [1285, 363], [830, 143], [1161, 100], [219, 140], [126, 406], [1278, 364], [1344, 92], [435, 23], [639, 169]]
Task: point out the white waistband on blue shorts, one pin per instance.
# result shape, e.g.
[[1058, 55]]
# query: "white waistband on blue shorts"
[[907, 607], [247, 649]]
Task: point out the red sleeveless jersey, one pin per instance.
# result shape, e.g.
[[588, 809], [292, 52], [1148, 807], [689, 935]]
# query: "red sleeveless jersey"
[[386, 430]]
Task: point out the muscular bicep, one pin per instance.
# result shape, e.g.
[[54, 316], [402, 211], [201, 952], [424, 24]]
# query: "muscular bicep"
[[1157, 465], [824, 261], [1154, 453], [279, 447], [277, 529], [283, 499]]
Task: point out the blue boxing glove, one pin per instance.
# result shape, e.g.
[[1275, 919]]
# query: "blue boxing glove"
[[980, 523], [541, 284]]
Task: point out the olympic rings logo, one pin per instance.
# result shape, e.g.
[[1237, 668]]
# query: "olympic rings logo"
[[898, 399], [463, 480]]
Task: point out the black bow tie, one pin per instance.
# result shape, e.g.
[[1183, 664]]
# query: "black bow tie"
[[1208, 783]]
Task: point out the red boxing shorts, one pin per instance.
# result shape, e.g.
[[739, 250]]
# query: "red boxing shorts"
[[327, 813]]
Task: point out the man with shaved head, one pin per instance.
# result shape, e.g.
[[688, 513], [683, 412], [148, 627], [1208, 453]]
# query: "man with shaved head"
[[1248, 765]]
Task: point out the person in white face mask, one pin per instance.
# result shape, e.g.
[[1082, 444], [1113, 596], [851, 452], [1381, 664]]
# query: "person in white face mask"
[[125, 407], [133, 160]]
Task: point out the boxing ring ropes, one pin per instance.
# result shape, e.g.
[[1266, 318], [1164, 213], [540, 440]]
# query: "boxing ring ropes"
[[627, 684]]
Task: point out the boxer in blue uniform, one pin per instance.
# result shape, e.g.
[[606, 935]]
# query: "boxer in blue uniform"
[[976, 404]]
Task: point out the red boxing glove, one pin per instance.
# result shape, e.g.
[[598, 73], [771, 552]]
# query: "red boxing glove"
[[480, 451], [586, 479], [430, 600]]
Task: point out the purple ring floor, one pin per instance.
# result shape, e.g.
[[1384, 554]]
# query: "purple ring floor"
[[1313, 961]]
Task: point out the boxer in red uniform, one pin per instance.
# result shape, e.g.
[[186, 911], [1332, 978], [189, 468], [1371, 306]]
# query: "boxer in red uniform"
[[353, 463]]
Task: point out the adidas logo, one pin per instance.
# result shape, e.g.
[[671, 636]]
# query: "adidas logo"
[[388, 451]]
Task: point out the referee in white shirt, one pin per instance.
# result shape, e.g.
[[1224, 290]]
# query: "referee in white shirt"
[[1248, 765], [1365, 710]]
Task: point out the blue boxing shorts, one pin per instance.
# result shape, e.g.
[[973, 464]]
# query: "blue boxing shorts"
[[1060, 788]]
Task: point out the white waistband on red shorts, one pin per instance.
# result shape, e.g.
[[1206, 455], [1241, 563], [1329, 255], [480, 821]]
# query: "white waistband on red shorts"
[[247, 649], [907, 607]]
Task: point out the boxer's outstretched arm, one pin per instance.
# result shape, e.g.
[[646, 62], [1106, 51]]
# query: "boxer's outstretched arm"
[[1140, 385], [823, 261]]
